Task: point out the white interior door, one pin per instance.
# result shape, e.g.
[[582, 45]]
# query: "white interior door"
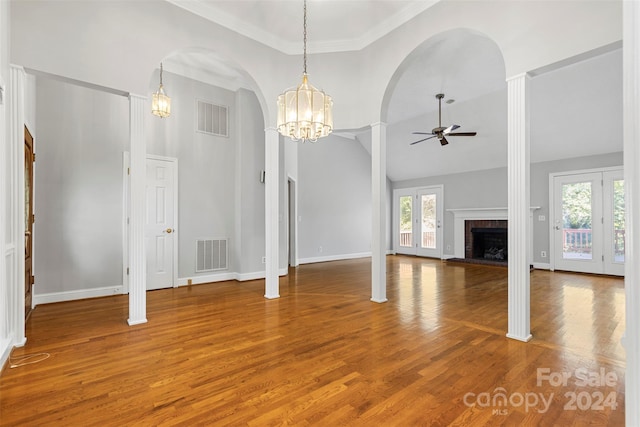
[[160, 222], [588, 227], [418, 221]]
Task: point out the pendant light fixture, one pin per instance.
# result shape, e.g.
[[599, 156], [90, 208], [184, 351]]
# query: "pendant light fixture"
[[160, 102], [305, 113]]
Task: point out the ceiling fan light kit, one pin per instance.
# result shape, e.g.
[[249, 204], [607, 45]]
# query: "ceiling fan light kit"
[[441, 132]]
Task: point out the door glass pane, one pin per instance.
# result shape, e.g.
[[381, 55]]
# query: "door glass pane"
[[428, 230], [618, 221], [406, 220], [576, 218]]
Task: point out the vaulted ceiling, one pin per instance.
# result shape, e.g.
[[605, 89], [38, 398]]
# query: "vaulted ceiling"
[[575, 110]]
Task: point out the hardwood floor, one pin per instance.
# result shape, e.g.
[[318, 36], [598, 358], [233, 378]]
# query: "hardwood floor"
[[324, 354]]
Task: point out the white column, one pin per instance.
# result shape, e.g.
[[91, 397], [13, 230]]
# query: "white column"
[[14, 255], [631, 117], [379, 210], [137, 250], [518, 207], [271, 198]]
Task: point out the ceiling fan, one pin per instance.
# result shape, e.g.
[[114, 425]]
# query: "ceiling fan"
[[441, 132]]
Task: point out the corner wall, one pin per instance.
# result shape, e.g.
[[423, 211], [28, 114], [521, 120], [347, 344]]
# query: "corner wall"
[[6, 332]]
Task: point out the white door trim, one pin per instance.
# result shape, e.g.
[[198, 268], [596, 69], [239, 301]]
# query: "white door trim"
[[438, 190], [292, 213], [176, 230], [126, 188], [552, 177], [414, 192], [611, 266], [395, 235]]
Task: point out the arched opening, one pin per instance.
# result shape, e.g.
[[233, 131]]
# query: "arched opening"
[[215, 138]]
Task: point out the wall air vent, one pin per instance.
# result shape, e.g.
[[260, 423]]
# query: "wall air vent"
[[212, 119], [211, 255]]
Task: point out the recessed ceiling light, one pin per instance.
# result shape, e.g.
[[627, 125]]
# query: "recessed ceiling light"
[[450, 101]]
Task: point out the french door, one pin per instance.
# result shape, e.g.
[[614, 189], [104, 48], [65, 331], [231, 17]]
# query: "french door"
[[588, 228], [418, 221]]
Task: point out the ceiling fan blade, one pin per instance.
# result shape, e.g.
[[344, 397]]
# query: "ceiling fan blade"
[[450, 128], [423, 133], [443, 141], [423, 140], [462, 134]]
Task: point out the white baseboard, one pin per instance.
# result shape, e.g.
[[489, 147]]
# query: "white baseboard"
[[209, 278], [75, 295], [448, 256], [256, 275], [542, 266], [241, 277], [5, 347], [334, 258]]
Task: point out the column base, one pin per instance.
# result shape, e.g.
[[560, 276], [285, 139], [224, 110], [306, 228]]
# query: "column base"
[[136, 322], [518, 338]]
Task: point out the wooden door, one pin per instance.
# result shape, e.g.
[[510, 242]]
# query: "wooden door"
[[29, 158]]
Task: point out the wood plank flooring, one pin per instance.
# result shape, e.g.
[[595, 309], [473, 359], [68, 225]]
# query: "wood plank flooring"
[[324, 354]]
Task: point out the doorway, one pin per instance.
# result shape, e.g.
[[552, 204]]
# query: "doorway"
[[418, 221], [588, 229], [161, 217], [29, 159]]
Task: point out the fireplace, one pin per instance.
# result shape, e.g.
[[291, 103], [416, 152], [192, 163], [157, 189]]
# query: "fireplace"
[[486, 240]]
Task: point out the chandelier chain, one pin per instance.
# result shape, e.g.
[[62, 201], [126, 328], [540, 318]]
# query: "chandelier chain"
[[305, 37], [161, 74]]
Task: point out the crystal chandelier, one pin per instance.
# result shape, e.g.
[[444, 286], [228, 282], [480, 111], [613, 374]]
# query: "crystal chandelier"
[[304, 112], [160, 102]]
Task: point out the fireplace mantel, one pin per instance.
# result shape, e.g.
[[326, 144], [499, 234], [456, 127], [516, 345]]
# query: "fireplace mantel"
[[464, 214]]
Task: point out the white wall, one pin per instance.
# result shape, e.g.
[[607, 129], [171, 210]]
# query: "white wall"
[[250, 191], [334, 199], [488, 189], [206, 166], [6, 306], [81, 134], [530, 35], [576, 110], [477, 189], [540, 192], [79, 182]]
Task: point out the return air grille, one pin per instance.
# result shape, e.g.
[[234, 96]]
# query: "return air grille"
[[211, 255], [212, 119]]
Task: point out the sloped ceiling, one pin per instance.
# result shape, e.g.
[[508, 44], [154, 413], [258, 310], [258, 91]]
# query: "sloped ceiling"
[[576, 110]]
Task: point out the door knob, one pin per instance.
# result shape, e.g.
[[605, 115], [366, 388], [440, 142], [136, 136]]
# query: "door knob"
[[169, 230]]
